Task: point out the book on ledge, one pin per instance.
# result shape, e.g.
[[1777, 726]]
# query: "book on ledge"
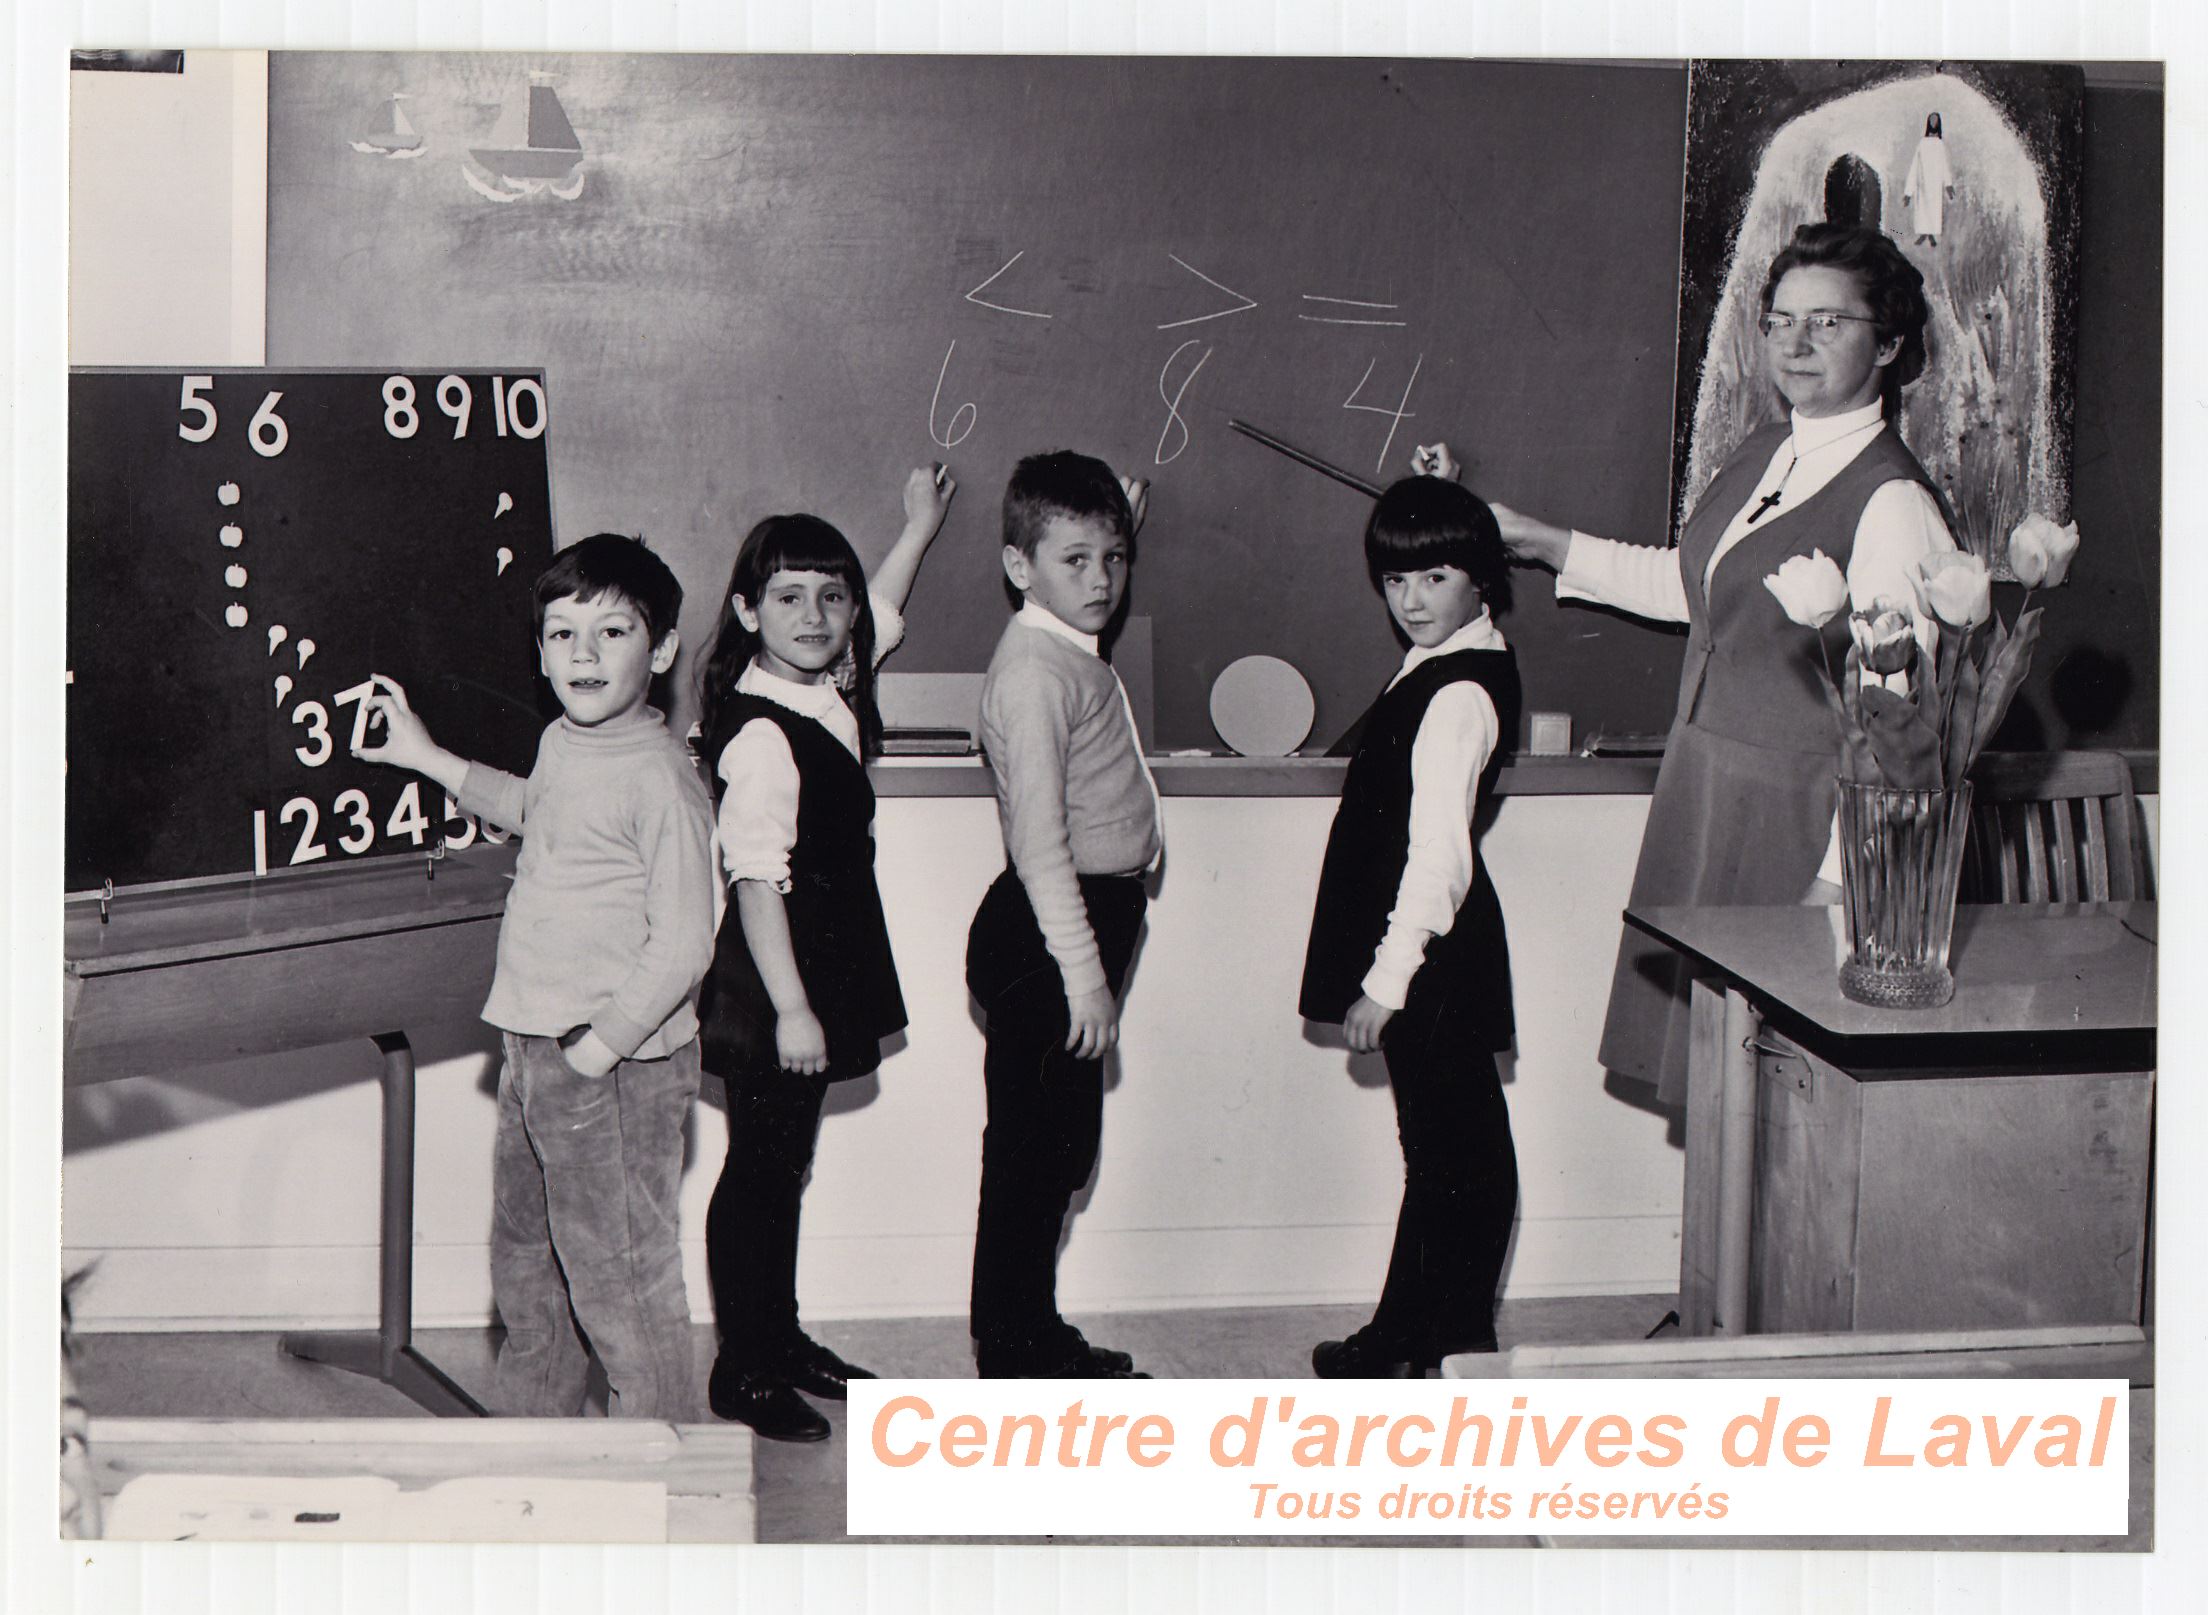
[[926, 742]]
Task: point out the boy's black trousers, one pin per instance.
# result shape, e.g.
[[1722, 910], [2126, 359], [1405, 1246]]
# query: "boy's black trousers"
[[1046, 1111]]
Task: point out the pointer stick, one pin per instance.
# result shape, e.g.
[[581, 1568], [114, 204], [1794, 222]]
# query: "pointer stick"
[[1369, 489]]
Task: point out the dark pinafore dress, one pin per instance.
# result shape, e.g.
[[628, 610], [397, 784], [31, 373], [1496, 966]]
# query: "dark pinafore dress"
[[1464, 979], [837, 930], [1742, 811]]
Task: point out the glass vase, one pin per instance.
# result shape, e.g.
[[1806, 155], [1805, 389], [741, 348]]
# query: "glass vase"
[[1901, 856]]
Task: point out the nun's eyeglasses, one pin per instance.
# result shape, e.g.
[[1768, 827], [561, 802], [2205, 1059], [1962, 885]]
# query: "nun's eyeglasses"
[[1823, 324]]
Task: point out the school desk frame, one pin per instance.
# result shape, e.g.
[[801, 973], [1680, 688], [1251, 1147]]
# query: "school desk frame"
[[207, 972], [1985, 1164]]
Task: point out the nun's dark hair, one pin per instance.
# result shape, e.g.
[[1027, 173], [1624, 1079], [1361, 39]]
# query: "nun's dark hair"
[[1890, 283]]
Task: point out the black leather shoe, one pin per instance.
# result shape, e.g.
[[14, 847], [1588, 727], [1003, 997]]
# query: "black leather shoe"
[[1086, 1363], [1113, 1362], [767, 1403], [1082, 1361], [817, 1371], [1367, 1354]]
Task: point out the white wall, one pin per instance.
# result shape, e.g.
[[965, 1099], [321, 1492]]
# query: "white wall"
[[168, 213], [1241, 1163]]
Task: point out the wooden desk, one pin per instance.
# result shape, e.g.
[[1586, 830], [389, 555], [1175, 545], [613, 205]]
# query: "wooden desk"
[[198, 974], [1983, 1164]]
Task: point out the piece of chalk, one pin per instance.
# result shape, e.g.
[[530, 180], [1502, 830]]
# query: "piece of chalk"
[[941, 471]]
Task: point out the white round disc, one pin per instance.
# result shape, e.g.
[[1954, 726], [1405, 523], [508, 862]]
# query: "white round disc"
[[1262, 707]]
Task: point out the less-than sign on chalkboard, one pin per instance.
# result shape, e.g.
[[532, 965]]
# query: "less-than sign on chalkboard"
[[245, 548]]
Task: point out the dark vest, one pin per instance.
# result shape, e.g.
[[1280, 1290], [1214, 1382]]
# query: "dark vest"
[[835, 914], [1751, 673], [1466, 973]]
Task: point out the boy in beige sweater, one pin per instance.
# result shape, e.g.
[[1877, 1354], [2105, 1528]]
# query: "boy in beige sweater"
[[607, 930], [1048, 953]]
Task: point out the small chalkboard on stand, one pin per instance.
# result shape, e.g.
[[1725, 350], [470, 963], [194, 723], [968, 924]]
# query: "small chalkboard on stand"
[[245, 547]]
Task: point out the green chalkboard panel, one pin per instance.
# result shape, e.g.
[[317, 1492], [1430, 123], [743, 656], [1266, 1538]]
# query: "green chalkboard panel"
[[245, 548]]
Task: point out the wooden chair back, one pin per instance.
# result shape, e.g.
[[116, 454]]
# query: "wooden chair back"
[[2053, 827]]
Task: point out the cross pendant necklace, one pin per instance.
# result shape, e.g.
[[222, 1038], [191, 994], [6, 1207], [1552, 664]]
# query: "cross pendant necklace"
[[1771, 500]]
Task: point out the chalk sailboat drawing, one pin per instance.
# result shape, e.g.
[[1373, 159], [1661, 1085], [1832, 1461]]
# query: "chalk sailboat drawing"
[[532, 150], [401, 139]]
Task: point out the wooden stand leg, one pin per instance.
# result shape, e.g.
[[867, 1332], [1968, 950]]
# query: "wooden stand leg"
[[388, 1355], [1736, 1184], [1698, 1213]]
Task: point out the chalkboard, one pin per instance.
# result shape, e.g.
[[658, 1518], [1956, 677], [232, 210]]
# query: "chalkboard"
[[779, 282], [245, 548], [774, 283]]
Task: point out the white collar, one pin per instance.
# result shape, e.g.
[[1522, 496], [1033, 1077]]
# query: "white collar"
[[1478, 634], [1812, 435], [815, 701], [1036, 615]]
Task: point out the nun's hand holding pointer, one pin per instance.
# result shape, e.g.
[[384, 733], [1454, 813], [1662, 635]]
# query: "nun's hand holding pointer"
[[1528, 538]]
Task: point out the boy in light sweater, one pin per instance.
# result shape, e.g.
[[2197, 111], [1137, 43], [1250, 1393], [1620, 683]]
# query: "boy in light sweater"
[[1048, 953], [607, 932]]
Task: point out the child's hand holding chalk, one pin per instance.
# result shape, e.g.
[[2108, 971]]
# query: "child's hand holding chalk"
[[929, 490], [1138, 500], [1434, 460]]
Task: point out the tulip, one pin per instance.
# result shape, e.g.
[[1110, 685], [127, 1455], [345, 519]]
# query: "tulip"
[[1957, 588], [2040, 552], [1810, 589], [1886, 639]]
